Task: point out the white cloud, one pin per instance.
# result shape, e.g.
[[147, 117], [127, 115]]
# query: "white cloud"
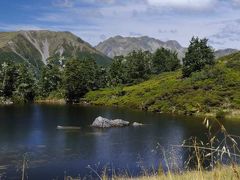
[[183, 4]]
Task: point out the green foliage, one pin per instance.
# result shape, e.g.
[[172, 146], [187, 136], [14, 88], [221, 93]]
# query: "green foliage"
[[117, 72], [73, 80], [79, 78], [210, 90], [17, 82], [198, 55], [50, 79], [138, 66], [164, 61], [25, 83], [8, 75], [101, 78]]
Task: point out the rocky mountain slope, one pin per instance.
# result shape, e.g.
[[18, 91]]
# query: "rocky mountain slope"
[[119, 45], [37, 47]]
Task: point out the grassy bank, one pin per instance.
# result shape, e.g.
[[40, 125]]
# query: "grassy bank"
[[221, 173], [214, 92]]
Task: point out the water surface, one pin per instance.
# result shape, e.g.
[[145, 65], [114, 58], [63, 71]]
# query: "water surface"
[[52, 153]]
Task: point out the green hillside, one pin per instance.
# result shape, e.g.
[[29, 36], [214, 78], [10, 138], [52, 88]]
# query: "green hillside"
[[214, 90], [37, 47]]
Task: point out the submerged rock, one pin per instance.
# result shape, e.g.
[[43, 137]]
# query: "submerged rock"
[[137, 124], [101, 122], [68, 127]]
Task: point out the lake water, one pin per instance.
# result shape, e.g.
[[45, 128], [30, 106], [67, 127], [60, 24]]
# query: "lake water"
[[30, 130]]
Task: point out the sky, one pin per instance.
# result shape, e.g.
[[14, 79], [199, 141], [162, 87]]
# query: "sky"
[[96, 20]]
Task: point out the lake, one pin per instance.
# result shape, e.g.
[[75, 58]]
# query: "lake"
[[30, 131]]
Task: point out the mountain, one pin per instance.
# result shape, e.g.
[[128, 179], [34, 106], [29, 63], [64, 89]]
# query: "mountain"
[[224, 52], [37, 47], [119, 45]]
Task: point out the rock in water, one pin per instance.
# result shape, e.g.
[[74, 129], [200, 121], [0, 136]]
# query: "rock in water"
[[137, 124], [119, 123], [68, 127], [101, 122]]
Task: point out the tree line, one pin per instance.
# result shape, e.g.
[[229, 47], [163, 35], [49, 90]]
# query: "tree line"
[[73, 79]]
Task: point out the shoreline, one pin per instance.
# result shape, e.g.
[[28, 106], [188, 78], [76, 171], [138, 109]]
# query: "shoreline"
[[234, 115], [230, 114]]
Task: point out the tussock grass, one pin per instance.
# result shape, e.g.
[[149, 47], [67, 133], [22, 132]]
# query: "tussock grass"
[[221, 173]]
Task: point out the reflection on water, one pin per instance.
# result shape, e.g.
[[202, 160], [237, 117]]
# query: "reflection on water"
[[31, 130]]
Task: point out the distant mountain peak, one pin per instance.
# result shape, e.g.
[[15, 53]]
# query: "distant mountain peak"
[[119, 45], [224, 52]]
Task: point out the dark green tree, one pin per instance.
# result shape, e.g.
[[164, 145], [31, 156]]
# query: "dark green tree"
[[164, 60], [198, 55], [79, 78], [117, 72], [89, 72], [50, 79], [102, 77], [137, 66], [8, 78], [25, 83]]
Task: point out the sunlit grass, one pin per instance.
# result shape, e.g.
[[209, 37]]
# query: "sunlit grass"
[[221, 173]]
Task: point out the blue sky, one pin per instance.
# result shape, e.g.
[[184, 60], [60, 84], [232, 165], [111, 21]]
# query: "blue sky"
[[96, 20]]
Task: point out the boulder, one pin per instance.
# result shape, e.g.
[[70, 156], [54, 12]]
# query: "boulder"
[[137, 124], [101, 122]]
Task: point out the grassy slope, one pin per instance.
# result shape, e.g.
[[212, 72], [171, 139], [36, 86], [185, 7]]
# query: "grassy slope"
[[206, 92]]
